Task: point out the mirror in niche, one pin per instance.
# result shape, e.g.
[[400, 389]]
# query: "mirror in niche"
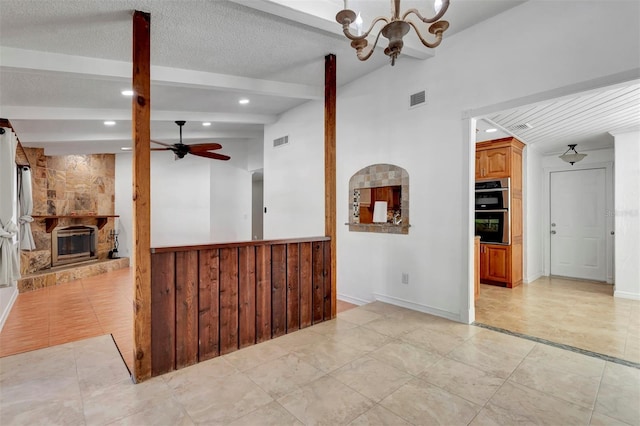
[[380, 204]]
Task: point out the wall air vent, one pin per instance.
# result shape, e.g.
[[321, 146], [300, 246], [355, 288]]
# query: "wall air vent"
[[281, 141], [524, 126], [418, 99]]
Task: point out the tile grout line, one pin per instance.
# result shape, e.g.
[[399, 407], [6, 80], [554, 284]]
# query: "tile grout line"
[[586, 352]]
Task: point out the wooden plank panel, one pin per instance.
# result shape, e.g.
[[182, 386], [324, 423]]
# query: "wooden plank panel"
[[306, 285], [293, 287], [317, 264], [330, 188], [208, 305], [247, 296], [163, 313], [328, 295], [228, 300], [263, 293], [186, 308], [141, 211], [278, 290]]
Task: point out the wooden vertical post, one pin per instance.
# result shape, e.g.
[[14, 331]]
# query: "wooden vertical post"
[[141, 134], [330, 216]]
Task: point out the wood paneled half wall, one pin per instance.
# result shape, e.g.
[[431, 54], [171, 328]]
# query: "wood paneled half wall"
[[214, 299]]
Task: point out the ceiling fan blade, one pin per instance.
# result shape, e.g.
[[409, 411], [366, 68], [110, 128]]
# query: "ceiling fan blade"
[[212, 155], [212, 146], [161, 143], [160, 149]]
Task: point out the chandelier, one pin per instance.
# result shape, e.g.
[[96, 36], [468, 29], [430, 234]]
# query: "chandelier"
[[571, 156], [394, 29]]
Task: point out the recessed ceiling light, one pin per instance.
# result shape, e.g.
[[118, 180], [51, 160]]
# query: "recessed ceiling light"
[[243, 101], [109, 123], [127, 92], [126, 148], [491, 130], [206, 124]]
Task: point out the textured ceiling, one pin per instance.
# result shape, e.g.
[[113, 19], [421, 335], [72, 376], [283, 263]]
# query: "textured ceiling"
[[64, 63]]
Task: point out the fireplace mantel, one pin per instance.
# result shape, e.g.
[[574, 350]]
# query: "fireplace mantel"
[[52, 221]]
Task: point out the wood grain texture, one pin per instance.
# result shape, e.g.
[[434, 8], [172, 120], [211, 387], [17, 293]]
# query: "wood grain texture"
[[186, 308], [208, 305], [247, 296], [317, 265], [293, 287], [278, 290], [141, 212], [306, 285], [228, 300], [163, 313], [330, 188], [329, 302], [263, 293], [211, 302], [252, 243]]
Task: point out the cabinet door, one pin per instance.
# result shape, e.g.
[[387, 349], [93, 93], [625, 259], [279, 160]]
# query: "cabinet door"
[[480, 164], [484, 263], [498, 263], [497, 163]]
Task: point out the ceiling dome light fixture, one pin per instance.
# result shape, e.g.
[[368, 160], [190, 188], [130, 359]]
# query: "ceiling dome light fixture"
[[571, 156], [395, 28]]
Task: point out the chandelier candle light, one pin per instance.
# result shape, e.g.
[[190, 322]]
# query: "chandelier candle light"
[[394, 30]]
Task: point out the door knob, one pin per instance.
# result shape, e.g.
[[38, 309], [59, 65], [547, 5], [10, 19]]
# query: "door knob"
[[613, 233], [553, 224], [553, 232]]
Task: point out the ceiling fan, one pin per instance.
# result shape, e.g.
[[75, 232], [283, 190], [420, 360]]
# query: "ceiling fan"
[[201, 149]]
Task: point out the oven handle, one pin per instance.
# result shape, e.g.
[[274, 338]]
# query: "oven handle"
[[491, 189], [493, 211]]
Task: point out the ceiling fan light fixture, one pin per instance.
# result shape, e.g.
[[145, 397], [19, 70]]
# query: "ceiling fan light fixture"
[[572, 156], [394, 28]]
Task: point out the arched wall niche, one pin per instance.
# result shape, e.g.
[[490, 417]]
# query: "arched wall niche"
[[390, 183]]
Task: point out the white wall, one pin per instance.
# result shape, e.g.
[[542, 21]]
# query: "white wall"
[[533, 215], [294, 174], [257, 210], [374, 125], [230, 204], [627, 215], [193, 200]]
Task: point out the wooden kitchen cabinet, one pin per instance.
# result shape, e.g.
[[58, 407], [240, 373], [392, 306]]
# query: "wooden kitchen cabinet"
[[493, 163], [502, 158], [495, 265]]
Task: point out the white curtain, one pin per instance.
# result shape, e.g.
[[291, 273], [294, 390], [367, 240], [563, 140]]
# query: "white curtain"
[[25, 197], [9, 266]]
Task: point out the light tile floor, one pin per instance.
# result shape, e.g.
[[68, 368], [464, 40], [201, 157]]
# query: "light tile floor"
[[577, 313], [374, 365]]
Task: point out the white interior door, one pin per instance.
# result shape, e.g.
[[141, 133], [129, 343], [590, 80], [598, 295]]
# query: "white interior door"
[[578, 224]]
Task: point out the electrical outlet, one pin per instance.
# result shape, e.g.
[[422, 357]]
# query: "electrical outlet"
[[405, 278]]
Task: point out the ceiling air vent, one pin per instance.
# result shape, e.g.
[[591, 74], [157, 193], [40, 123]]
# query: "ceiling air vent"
[[524, 126], [281, 141], [418, 99]]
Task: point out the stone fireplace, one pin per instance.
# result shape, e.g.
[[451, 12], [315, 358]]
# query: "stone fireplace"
[[72, 194], [73, 244]]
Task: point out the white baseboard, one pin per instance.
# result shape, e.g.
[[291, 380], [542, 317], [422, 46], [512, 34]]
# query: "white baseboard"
[[417, 307], [5, 314], [352, 299], [626, 295]]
